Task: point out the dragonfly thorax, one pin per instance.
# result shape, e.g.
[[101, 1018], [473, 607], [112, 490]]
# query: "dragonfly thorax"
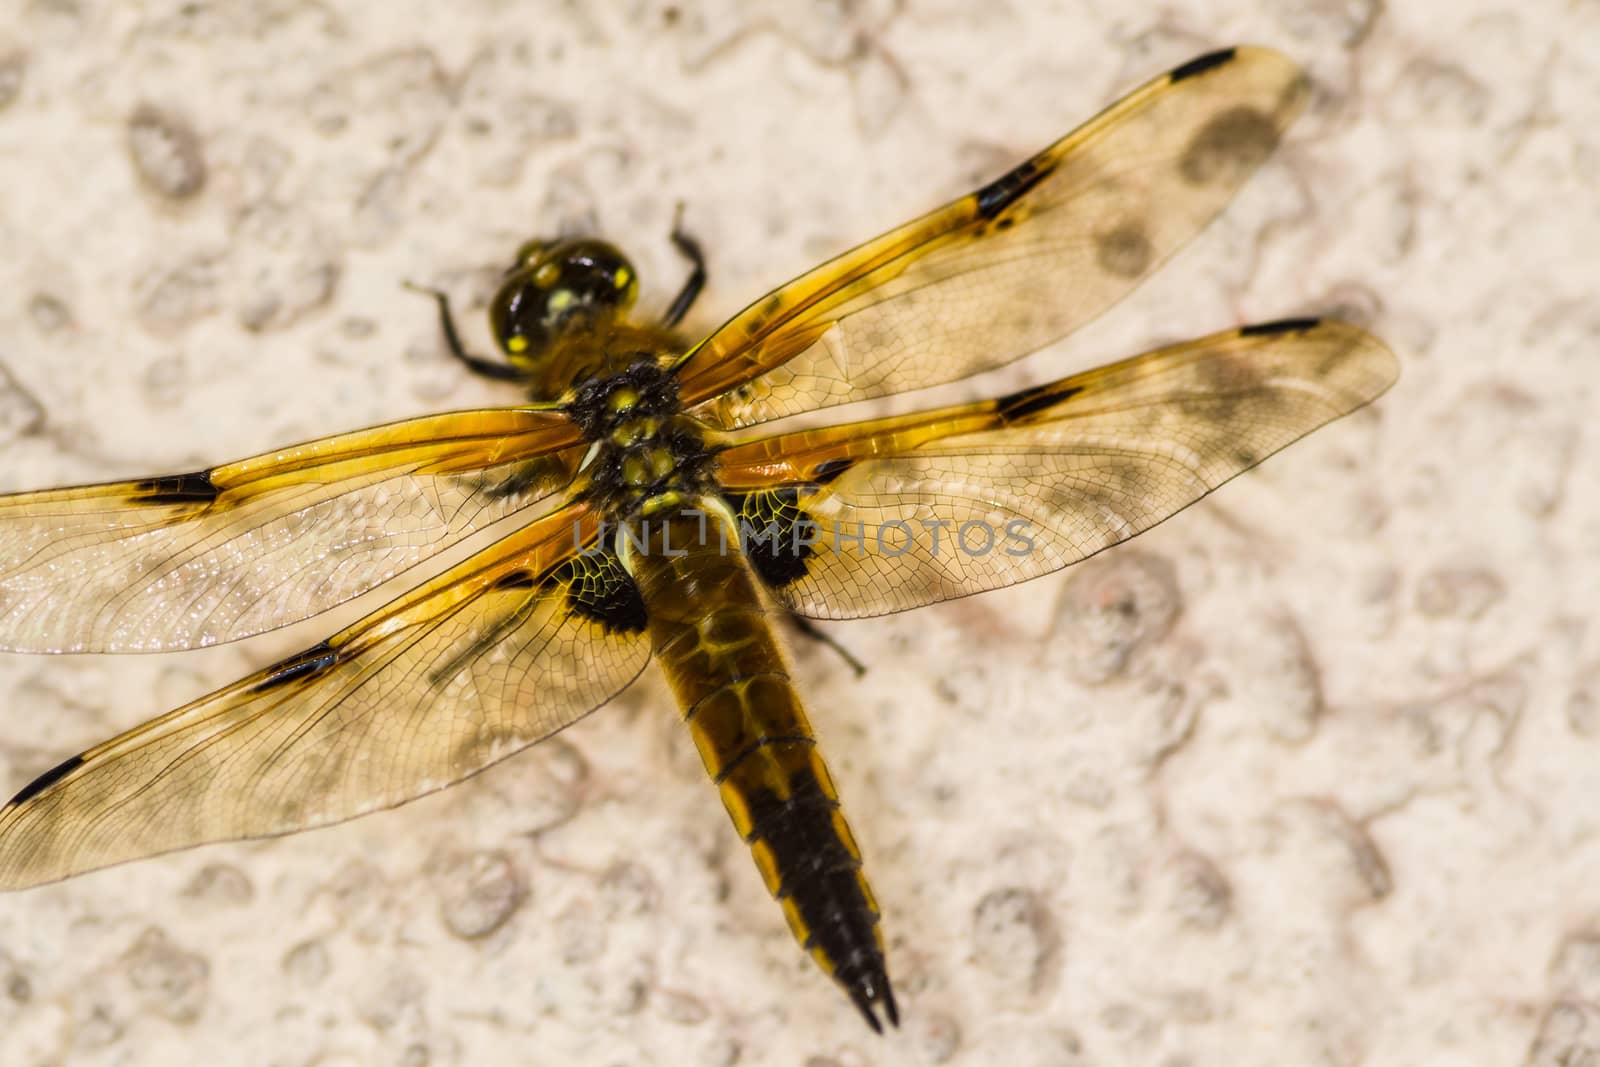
[[647, 453]]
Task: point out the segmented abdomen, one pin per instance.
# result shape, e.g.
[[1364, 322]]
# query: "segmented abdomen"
[[711, 628]]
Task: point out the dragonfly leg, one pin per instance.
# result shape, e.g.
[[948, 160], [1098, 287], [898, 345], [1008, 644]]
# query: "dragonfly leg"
[[690, 249], [489, 368], [809, 630]]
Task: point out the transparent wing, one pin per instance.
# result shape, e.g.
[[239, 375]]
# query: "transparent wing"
[[1010, 268], [216, 555], [915, 509], [514, 644]]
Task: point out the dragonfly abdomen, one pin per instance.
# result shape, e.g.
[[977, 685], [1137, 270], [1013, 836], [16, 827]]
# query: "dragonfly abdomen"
[[712, 633]]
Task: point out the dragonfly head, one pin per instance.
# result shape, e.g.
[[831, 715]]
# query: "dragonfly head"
[[556, 290]]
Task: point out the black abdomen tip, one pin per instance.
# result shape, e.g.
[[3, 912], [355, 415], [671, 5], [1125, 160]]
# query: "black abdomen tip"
[[870, 990]]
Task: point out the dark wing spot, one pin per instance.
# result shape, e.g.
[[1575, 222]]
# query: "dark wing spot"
[[540, 474], [828, 470], [1201, 64], [195, 488], [1267, 329], [600, 590], [313, 661], [1228, 147], [46, 780], [1008, 188], [768, 520], [1019, 405], [1124, 251], [514, 580]]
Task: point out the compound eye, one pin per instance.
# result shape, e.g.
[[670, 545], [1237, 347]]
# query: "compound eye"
[[529, 255], [594, 272], [518, 316], [557, 288]]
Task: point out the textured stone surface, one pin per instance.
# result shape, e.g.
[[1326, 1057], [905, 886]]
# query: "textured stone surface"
[[1308, 776]]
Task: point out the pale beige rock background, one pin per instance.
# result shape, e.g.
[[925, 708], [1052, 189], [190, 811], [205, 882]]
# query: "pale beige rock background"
[[1308, 776]]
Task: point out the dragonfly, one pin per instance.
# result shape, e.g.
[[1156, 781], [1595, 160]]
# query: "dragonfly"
[[651, 514]]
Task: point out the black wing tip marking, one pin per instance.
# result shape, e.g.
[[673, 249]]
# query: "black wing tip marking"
[[1009, 187], [1031, 401], [1269, 329], [193, 488], [1201, 64], [313, 661], [46, 780]]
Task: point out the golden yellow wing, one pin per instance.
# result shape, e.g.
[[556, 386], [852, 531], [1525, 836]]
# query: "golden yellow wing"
[[515, 643], [1008, 269], [216, 555], [919, 508]]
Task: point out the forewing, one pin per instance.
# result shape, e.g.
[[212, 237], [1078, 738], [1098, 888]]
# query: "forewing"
[[1021, 486], [216, 555], [507, 648], [1017, 264]]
